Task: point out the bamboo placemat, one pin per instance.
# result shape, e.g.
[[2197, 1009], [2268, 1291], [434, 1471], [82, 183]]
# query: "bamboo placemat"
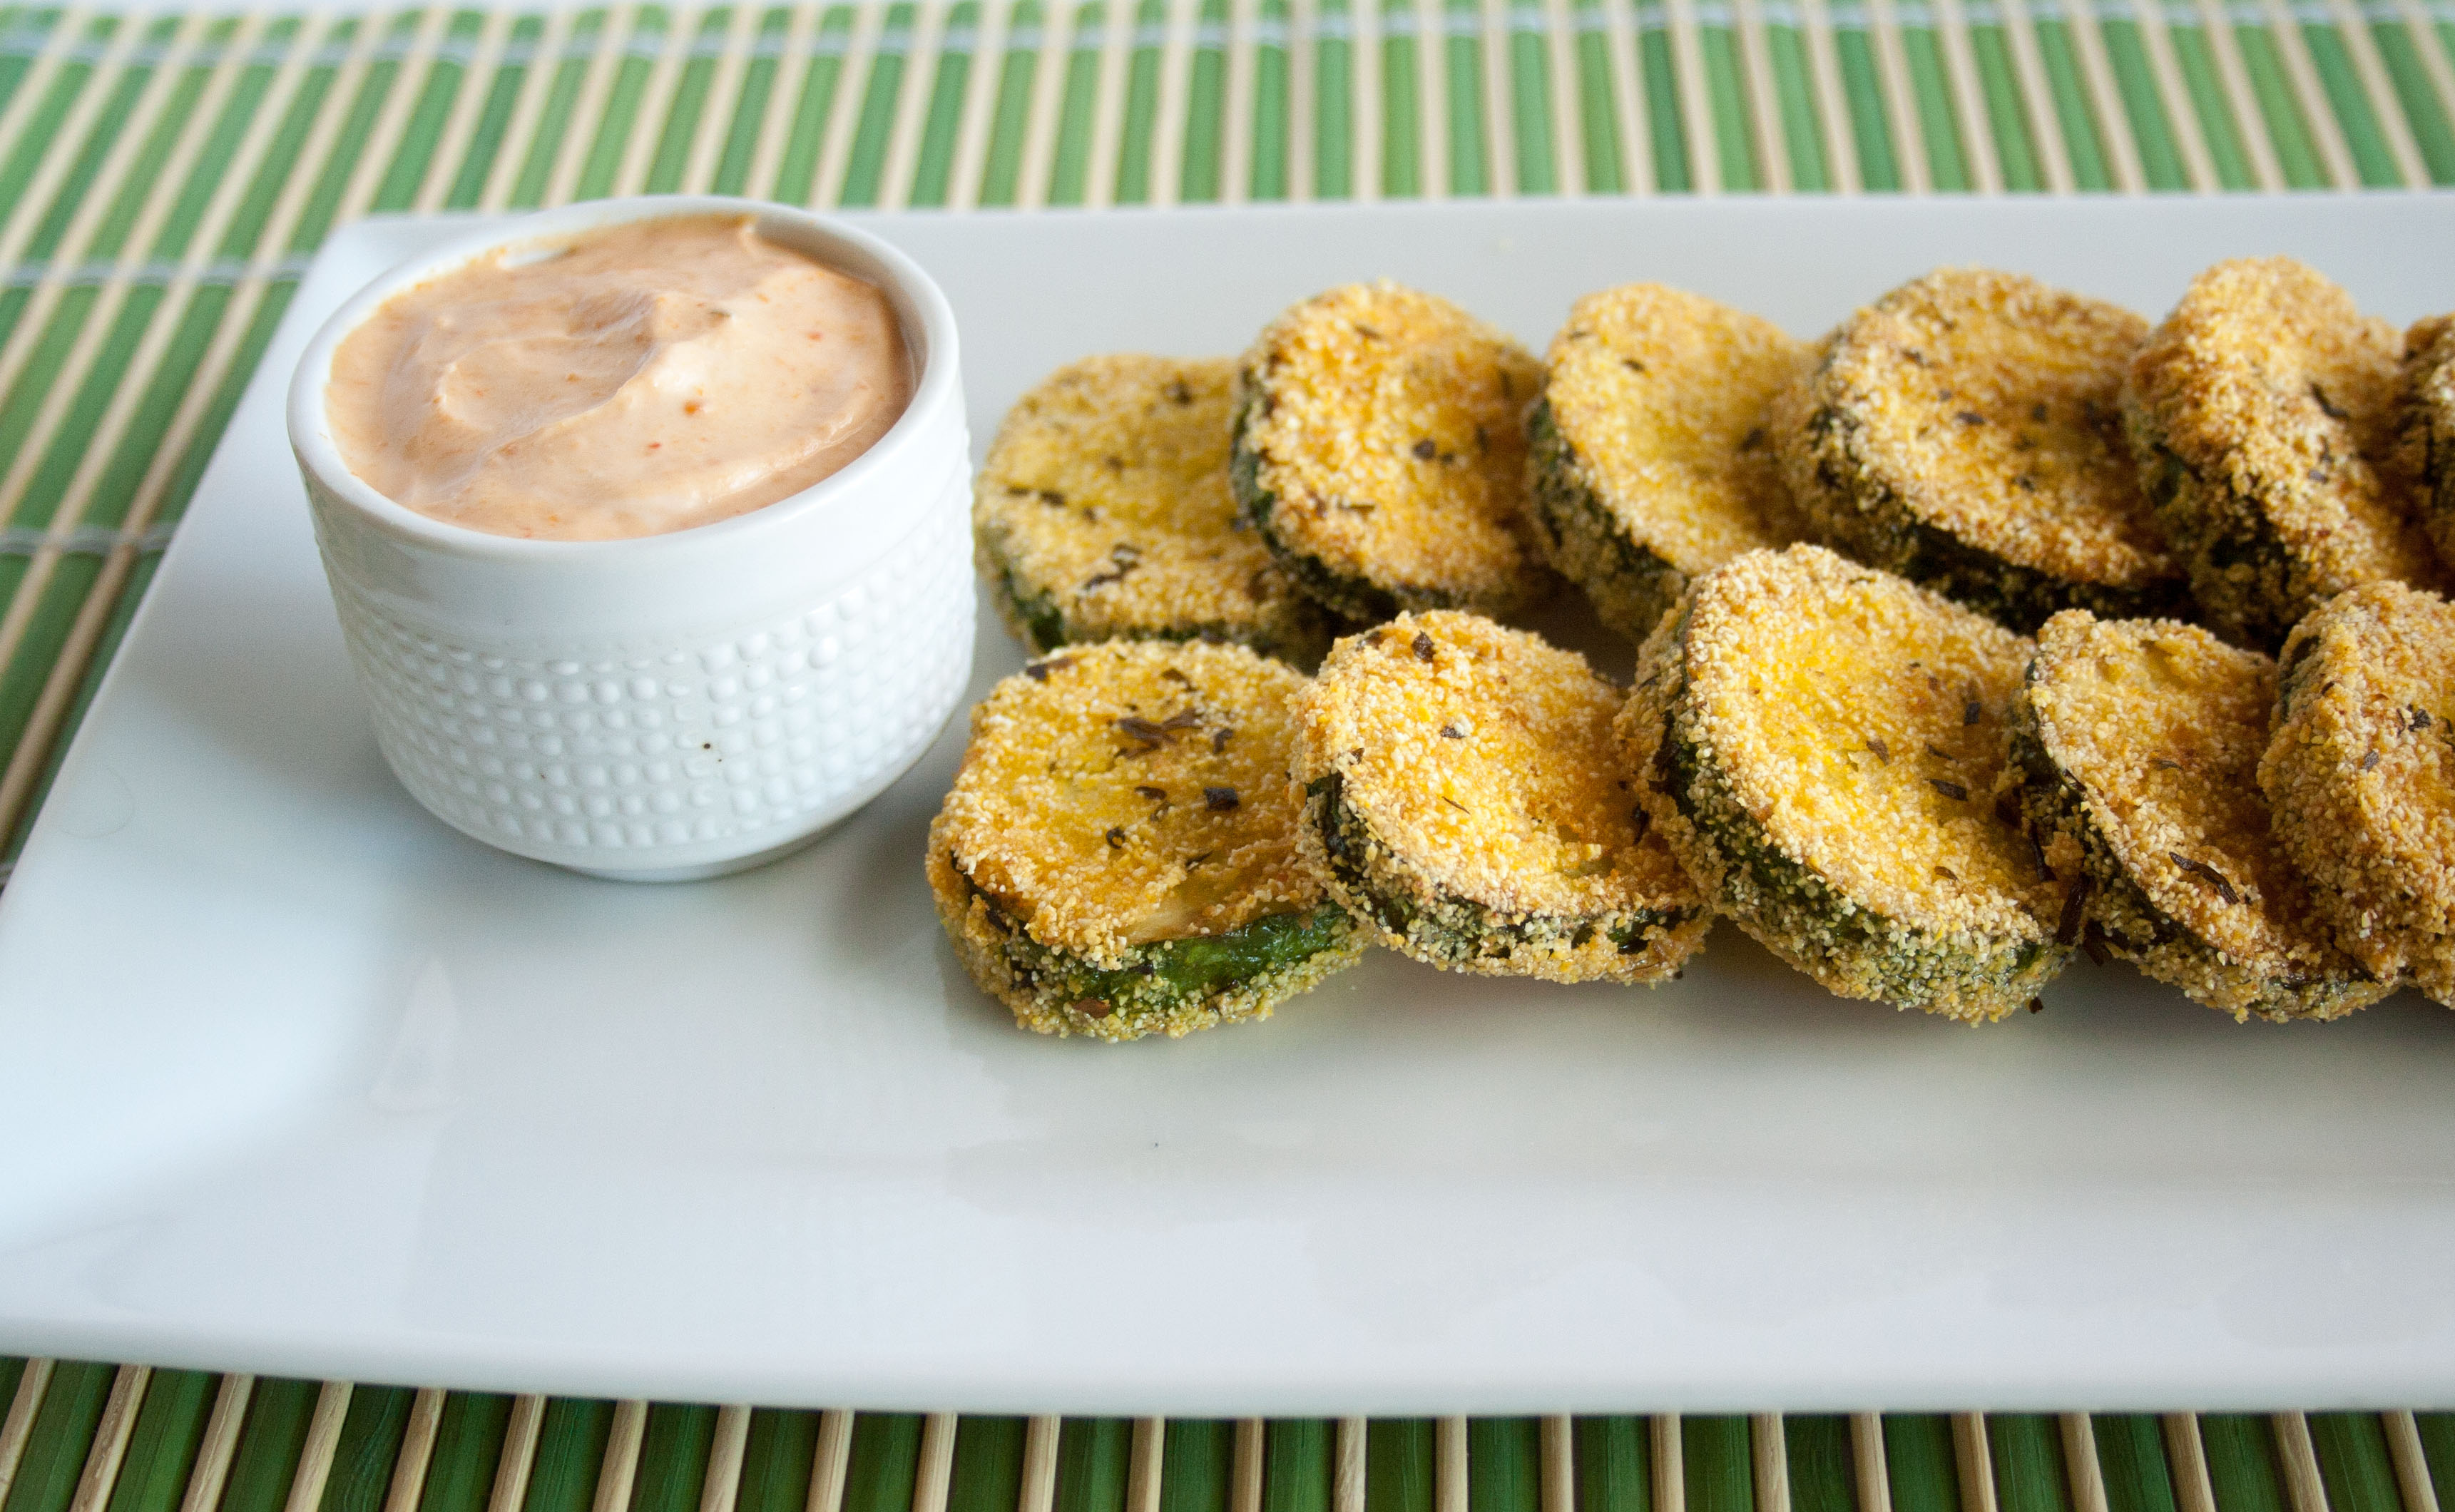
[[165, 176], [86, 1438]]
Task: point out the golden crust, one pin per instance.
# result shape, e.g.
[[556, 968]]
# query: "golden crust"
[[1480, 767], [2425, 431], [1827, 759], [1386, 451], [1658, 398], [1803, 665], [2361, 775], [2261, 413], [1104, 511], [1132, 791], [1982, 406], [2156, 729]]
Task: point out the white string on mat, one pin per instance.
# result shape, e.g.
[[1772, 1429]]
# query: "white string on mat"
[[96, 202], [51, 169], [27, 761]]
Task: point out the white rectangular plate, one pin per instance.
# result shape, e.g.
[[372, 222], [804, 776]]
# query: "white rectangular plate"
[[295, 1079]]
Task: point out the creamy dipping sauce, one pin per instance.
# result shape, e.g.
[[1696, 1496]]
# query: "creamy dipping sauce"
[[639, 379]]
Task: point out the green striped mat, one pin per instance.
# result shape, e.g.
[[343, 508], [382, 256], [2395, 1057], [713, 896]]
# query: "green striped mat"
[[163, 176], [86, 1437]]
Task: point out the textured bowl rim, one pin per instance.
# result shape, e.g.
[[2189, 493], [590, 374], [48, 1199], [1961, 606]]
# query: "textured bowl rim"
[[914, 290]]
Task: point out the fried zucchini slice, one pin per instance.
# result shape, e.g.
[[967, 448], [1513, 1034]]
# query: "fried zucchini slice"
[[2139, 742], [2260, 414], [2361, 775], [1651, 461], [1103, 514], [1823, 745], [1465, 798], [1965, 431], [1118, 854], [2427, 426], [1380, 452]]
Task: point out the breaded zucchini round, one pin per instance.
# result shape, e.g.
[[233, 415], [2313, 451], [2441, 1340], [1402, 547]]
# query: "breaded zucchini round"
[[2427, 426], [1380, 451], [1651, 461], [2139, 741], [1465, 798], [1823, 745], [1103, 514], [2361, 773], [2260, 414], [1965, 431], [1118, 854]]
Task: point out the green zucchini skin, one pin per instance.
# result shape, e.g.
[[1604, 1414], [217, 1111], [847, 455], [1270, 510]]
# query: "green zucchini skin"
[[1041, 624], [1632, 587], [1438, 925], [1861, 516], [1167, 986], [1358, 600], [2249, 588], [1785, 904], [2130, 923]]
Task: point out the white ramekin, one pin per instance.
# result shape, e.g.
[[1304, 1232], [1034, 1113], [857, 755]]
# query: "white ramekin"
[[673, 706]]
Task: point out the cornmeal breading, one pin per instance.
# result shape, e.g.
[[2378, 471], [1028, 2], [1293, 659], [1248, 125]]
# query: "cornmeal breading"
[[2361, 773], [1652, 461], [1104, 511], [1380, 451], [2262, 415], [1823, 747], [2425, 437], [2140, 742], [1964, 431], [1466, 797], [1118, 854]]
